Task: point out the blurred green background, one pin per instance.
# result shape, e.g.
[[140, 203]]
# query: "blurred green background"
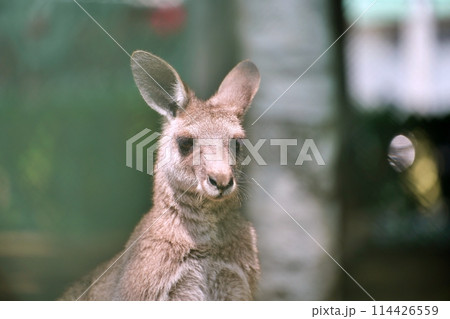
[[68, 103]]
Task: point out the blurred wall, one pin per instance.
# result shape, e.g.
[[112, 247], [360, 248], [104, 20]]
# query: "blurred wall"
[[283, 41]]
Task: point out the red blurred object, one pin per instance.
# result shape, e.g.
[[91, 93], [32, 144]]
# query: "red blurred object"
[[168, 20]]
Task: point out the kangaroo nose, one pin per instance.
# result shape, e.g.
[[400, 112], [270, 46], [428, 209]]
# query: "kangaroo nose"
[[222, 183]]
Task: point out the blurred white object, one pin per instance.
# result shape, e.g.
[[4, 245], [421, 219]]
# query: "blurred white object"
[[418, 37], [394, 56], [401, 153]]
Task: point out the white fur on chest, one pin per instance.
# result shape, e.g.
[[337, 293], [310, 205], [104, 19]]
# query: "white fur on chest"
[[208, 279]]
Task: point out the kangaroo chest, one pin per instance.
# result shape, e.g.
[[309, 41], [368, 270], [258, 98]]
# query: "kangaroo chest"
[[205, 277]]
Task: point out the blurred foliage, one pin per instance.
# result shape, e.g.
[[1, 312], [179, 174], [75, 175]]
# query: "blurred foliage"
[[67, 106], [370, 187]]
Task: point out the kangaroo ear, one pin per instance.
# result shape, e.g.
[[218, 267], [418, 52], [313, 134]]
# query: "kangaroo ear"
[[159, 83], [237, 90]]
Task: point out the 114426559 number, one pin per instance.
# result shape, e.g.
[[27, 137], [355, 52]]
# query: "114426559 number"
[[380, 310]]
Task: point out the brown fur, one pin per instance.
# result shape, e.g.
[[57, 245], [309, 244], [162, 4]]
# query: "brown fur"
[[193, 244]]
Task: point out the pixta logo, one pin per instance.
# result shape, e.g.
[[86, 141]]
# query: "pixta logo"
[[142, 148]]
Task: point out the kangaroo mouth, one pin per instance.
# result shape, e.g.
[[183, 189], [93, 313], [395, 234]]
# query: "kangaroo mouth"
[[219, 196], [216, 194]]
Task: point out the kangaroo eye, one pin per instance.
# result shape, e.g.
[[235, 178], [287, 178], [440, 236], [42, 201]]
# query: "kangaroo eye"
[[185, 144], [236, 145]]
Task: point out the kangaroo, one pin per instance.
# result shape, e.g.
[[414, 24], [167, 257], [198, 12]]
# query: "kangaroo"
[[193, 244]]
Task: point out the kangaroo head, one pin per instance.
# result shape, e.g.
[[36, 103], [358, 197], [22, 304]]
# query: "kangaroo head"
[[201, 140]]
